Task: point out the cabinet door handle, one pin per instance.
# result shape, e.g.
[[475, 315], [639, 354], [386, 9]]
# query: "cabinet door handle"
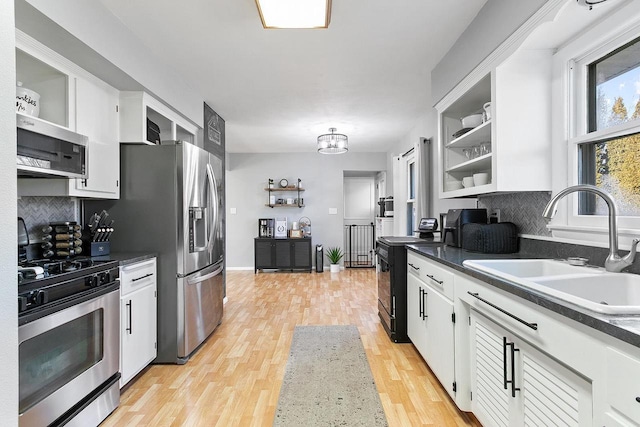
[[424, 304], [130, 328], [504, 362], [440, 282], [533, 326], [638, 399], [421, 305], [142, 277], [414, 267], [513, 370], [511, 381]]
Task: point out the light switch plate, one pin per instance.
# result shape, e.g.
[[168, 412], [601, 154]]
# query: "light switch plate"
[[333, 211], [232, 211]]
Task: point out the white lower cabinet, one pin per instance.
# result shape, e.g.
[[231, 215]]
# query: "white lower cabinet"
[[623, 389], [430, 323], [513, 384], [138, 318]]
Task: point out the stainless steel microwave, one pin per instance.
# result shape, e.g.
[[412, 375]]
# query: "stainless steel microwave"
[[45, 149]]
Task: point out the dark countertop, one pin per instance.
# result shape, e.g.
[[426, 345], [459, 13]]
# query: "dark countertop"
[[127, 258], [625, 328]]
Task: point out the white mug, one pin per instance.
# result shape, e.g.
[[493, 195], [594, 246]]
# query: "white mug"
[[467, 181]]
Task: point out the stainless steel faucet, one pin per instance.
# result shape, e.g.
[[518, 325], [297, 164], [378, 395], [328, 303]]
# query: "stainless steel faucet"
[[614, 262]]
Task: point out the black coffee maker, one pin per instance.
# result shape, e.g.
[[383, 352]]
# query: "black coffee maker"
[[456, 219]]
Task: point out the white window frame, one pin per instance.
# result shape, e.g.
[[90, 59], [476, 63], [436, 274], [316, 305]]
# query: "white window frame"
[[412, 202], [572, 63]]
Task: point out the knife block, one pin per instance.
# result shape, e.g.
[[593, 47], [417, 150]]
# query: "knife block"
[[100, 248]]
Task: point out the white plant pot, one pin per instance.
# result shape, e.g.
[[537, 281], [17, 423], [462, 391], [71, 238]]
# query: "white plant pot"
[[335, 268]]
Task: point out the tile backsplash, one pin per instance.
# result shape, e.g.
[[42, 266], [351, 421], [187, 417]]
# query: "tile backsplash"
[[522, 209], [39, 211]]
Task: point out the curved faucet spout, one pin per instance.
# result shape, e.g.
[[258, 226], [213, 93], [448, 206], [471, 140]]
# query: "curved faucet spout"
[[613, 262]]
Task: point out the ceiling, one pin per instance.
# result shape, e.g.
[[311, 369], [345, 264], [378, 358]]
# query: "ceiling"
[[368, 75]]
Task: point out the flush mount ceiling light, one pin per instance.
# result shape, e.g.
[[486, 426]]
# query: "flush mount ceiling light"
[[589, 3], [294, 13], [333, 143]]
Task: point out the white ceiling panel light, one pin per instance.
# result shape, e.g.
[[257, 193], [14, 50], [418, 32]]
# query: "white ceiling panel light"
[[333, 143], [294, 13]]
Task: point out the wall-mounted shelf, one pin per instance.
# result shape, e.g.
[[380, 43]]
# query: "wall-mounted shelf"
[[298, 202]]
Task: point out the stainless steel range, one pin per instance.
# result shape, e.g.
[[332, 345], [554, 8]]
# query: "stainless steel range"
[[68, 325]]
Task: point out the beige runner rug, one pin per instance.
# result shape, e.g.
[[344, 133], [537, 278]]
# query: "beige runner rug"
[[328, 381]]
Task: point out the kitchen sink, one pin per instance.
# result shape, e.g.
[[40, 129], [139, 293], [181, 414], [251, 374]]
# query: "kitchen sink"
[[530, 267], [589, 287]]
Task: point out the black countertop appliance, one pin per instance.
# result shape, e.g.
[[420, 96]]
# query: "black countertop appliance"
[[456, 219]]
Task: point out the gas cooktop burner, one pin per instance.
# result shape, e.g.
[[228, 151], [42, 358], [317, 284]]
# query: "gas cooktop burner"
[[50, 267], [45, 283]]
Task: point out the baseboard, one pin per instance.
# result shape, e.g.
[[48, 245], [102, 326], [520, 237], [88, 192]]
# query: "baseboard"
[[238, 268]]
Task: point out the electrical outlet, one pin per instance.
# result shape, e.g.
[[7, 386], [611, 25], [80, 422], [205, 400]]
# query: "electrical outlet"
[[494, 216]]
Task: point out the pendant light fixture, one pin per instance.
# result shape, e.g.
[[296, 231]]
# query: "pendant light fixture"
[[294, 13], [589, 3], [333, 143]]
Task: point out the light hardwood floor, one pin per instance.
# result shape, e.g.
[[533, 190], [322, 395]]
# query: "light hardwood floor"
[[234, 379]]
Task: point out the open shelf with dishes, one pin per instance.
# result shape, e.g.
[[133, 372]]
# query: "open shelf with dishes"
[[279, 194], [50, 88], [493, 133], [467, 150]]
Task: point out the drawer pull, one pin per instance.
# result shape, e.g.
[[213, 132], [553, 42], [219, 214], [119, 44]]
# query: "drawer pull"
[[533, 326], [424, 305], [440, 282], [414, 267], [142, 277], [638, 399]]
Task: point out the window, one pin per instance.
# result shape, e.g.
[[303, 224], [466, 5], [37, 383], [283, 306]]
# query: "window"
[[612, 163], [596, 129]]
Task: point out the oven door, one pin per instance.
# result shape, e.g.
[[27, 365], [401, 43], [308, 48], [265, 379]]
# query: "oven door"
[[66, 355], [385, 299]]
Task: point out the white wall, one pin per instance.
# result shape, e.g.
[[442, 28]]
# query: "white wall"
[[101, 31], [495, 22], [322, 179], [8, 221]]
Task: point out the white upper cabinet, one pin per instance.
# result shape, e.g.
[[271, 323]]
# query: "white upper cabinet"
[[97, 117], [75, 99], [510, 149], [140, 108]]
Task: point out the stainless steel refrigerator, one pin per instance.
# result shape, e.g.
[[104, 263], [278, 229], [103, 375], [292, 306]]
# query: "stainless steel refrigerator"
[[172, 204]]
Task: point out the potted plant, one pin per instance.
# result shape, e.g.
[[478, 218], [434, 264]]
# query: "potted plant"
[[334, 254]]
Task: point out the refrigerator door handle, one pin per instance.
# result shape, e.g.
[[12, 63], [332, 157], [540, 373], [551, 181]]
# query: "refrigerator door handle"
[[215, 202], [203, 275]]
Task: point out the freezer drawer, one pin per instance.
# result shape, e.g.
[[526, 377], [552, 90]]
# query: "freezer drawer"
[[202, 307]]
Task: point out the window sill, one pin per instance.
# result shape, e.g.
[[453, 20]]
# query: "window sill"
[[592, 236]]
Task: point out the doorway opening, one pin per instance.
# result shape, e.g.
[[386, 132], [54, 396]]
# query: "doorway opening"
[[361, 192]]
